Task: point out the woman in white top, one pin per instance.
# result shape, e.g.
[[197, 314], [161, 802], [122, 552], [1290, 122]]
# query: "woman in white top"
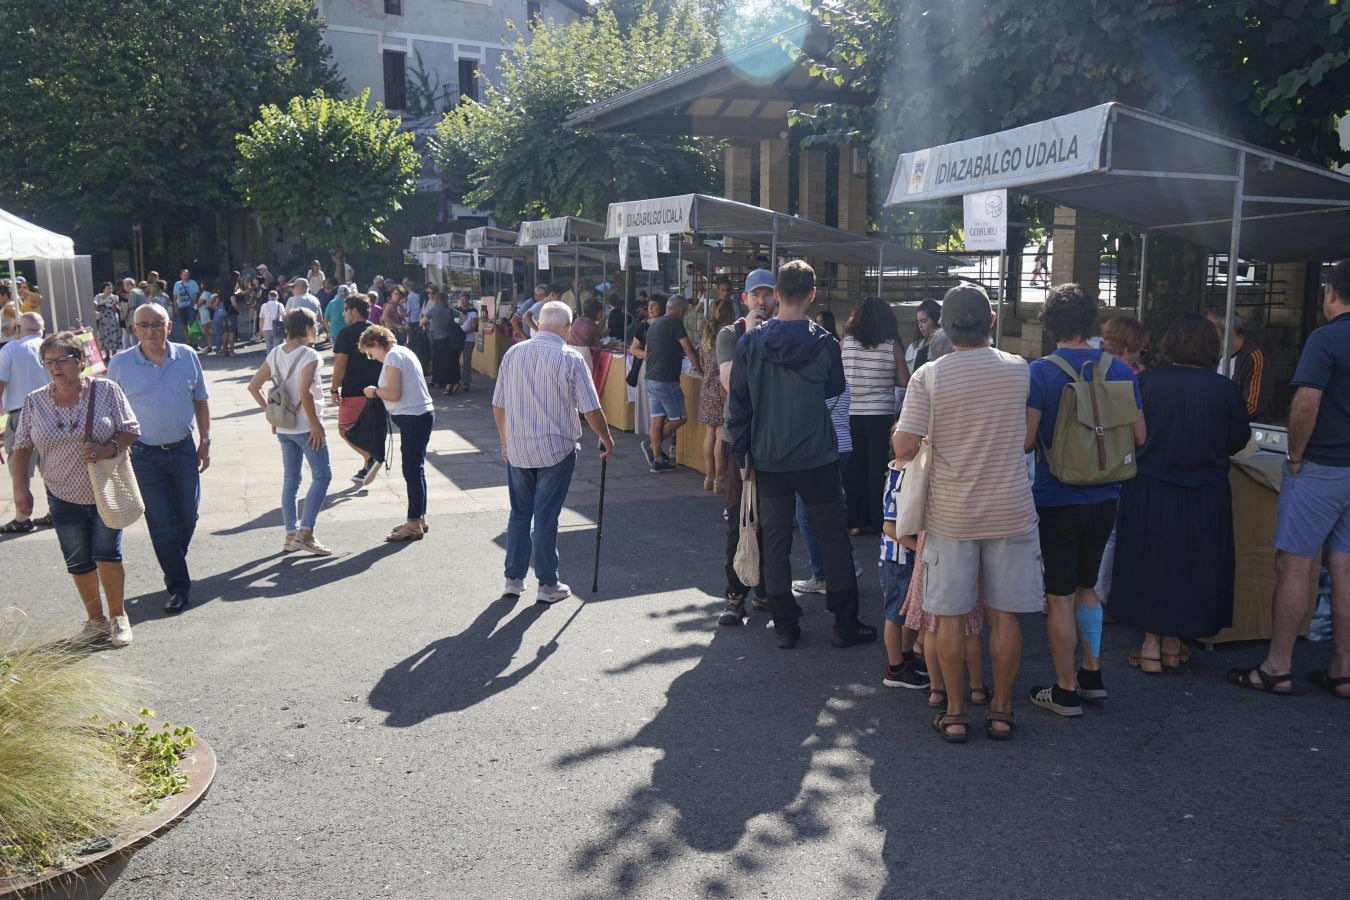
[[269, 316], [403, 388], [874, 366], [297, 368]]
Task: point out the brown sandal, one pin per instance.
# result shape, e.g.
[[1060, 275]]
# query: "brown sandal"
[[1150, 664], [943, 721], [937, 699], [985, 695], [999, 734], [404, 532], [1173, 660]]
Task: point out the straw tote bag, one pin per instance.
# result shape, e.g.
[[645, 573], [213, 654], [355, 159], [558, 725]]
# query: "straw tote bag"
[[116, 493]]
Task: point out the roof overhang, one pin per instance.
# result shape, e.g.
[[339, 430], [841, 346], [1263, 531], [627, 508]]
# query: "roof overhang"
[[1150, 171], [745, 93]]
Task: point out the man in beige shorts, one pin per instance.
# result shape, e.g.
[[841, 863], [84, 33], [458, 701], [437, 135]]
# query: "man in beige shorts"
[[980, 517]]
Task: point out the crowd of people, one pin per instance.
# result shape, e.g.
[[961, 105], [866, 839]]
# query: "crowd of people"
[[821, 427]]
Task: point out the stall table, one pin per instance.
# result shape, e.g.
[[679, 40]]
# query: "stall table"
[[689, 439], [614, 400], [488, 359]]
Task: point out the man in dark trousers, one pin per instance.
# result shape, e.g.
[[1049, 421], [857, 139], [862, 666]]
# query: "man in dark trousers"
[[784, 373]]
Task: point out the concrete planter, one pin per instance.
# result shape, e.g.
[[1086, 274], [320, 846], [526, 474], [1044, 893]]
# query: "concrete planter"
[[89, 876]]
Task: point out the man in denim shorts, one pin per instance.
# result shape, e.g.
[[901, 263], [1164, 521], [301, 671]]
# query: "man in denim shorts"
[[979, 518], [1314, 502], [667, 343]]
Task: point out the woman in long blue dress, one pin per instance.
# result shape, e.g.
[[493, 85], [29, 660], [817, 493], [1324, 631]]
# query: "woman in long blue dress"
[[1173, 574]]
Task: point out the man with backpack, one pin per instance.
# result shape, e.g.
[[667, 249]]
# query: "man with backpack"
[[1077, 484]]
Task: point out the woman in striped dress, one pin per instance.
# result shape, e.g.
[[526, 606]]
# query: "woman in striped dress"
[[874, 365]]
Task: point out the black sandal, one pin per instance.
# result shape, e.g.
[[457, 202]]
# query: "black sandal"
[[998, 734], [942, 721], [14, 526], [1266, 685], [44, 521], [1322, 678]]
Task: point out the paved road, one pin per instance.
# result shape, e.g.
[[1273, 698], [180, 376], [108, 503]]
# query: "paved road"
[[387, 726]]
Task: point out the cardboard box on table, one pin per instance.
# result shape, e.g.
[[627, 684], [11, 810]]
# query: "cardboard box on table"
[[1255, 482]]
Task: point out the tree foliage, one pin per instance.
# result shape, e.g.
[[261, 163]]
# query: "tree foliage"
[[511, 154], [332, 169], [131, 106]]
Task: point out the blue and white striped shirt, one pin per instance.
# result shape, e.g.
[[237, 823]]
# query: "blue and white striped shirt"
[[891, 551]]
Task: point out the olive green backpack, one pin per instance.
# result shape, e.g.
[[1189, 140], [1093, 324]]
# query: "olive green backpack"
[[1093, 441]]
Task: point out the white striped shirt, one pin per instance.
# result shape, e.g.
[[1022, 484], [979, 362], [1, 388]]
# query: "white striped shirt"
[[979, 487], [871, 377], [542, 384]]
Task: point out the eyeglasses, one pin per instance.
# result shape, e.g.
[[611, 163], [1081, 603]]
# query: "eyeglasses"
[[59, 361], [152, 326]]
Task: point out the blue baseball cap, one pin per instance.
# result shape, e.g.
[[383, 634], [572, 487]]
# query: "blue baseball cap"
[[760, 278]]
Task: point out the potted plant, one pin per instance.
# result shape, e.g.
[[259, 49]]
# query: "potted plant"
[[81, 788]]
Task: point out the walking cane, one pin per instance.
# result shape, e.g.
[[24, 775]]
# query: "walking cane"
[[599, 525]]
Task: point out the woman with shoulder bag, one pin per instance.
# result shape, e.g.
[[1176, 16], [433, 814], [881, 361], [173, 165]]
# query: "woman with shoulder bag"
[[408, 402], [294, 367], [71, 423]]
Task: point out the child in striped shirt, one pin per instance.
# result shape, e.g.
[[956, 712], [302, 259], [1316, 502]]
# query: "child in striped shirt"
[[903, 668]]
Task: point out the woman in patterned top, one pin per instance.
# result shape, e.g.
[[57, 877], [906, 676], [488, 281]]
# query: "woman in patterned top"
[[53, 424]]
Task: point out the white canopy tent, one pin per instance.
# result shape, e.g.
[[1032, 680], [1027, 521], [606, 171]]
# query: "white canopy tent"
[[63, 276], [1153, 172]]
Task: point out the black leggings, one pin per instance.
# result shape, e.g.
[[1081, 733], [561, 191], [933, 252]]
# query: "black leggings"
[[414, 435]]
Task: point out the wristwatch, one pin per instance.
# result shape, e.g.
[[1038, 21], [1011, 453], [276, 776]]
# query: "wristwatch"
[[1290, 459]]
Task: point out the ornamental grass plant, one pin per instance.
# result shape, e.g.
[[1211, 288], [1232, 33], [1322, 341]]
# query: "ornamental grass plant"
[[71, 770]]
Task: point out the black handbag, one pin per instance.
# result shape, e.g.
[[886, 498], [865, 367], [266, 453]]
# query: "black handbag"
[[635, 373], [371, 429]]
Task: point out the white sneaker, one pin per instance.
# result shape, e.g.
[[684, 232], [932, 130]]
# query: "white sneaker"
[[514, 587], [95, 631], [812, 585], [120, 631], [552, 593]]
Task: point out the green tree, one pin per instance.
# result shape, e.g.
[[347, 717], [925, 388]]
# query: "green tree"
[[511, 154], [130, 107], [334, 170]]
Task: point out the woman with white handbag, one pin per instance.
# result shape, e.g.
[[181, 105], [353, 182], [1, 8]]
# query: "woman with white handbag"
[[75, 424]]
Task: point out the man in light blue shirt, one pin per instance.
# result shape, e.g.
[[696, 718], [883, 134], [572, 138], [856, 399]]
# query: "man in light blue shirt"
[[185, 291], [165, 386], [21, 373]]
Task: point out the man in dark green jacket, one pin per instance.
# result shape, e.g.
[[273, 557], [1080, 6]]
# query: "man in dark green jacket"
[[784, 373]]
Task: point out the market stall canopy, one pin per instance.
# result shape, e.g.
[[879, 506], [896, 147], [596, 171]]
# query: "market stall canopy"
[[782, 233], [1153, 172], [20, 239]]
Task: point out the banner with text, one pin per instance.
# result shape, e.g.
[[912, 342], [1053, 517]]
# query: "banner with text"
[[542, 231], [647, 248], [1056, 148], [668, 214], [986, 221], [541, 256]]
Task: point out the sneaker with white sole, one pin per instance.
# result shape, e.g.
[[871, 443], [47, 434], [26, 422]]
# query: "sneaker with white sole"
[[1089, 684], [812, 585], [906, 676], [310, 544], [734, 612], [514, 587], [373, 472], [119, 633], [95, 631], [1057, 700], [552, 593], [647, 452]]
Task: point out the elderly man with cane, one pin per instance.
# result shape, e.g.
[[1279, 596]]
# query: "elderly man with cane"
[[541, 387]]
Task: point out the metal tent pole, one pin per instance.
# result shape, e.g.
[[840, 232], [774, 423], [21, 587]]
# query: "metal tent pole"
[[1143, 279], [1238, 190], [1002, 290]]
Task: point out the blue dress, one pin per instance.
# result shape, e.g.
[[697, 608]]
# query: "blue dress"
[[1173, 573]]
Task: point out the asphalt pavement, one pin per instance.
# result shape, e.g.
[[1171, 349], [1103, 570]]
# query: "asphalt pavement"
[[388, 726]]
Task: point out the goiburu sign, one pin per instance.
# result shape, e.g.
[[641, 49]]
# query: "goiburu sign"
[[1059, 147]]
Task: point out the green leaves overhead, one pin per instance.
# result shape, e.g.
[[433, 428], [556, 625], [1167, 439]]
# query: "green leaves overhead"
[[511, 154], [333, 169]]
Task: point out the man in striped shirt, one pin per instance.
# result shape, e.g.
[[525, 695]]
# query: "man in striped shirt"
[[541, 386], [980, 518]]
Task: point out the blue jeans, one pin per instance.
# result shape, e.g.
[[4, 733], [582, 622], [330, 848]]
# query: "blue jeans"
[[536, 494], [414, 433], [294, 447], [171, 487], [809, 533], [217, 331], [186, 316], [85, 541]]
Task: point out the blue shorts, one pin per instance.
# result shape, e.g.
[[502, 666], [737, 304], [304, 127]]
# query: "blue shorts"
[[1314, 509], [894, 586], [666, 399], [85, 541]]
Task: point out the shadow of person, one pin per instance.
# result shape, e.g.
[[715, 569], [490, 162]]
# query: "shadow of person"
[[459, 671], [729, 755]]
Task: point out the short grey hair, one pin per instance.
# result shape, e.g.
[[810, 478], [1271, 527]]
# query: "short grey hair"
[[675, 302], [554, 314]]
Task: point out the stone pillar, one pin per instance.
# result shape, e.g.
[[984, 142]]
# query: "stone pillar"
[[739, 167], [853, 187], [773, 174], [1077, 255], [811, 186]]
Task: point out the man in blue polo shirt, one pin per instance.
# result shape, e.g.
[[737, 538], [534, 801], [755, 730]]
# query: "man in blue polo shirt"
[[164, 384], [1314, 501]]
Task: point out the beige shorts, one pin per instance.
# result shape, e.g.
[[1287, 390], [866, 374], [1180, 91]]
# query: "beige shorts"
[[1011, 568]]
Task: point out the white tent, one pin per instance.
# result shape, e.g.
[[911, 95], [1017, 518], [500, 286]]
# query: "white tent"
[[63, 277]]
